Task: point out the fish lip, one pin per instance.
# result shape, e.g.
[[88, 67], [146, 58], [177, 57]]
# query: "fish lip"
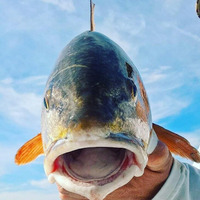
[[63, 146], [126, 162], [126, 138]]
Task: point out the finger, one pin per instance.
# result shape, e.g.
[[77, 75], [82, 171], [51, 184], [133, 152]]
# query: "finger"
[[161, 158], [66, 195]]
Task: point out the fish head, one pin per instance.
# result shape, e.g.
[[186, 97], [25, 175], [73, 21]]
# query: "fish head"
[[96, 118]]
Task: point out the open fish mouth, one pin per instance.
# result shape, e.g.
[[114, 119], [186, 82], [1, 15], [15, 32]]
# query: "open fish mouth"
[[96, 165]]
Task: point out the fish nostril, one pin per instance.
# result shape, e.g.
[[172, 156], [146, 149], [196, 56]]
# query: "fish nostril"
[[129, 70], [134, 89], [131, 88]]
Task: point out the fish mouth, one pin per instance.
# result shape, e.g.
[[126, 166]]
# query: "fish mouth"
[[96, 165], [94, 168]]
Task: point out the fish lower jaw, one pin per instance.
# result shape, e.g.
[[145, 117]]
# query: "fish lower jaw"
[[95, 178]]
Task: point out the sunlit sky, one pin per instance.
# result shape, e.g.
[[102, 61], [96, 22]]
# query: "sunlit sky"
[[162, 37]]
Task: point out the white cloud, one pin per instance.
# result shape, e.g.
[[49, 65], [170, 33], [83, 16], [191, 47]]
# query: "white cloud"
[[163, 85], [27, 81], [184, 32], [155, 75], [30, 195], [122, 30], [165, 106], [6, 81], [43, 184], [66, 5], [7, 158], [37, 80], [34, 190], [197, 165], [23, 108], [172, 6], [192, 137], [20, 106]]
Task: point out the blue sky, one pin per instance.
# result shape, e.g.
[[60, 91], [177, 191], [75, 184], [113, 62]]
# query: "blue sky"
[[161, 37]]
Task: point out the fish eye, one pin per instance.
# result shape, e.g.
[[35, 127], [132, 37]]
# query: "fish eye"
[[46, 103], [46, 99]]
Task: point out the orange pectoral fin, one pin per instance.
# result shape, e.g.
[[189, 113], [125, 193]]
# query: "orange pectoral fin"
[[29, 151], [177, 144]]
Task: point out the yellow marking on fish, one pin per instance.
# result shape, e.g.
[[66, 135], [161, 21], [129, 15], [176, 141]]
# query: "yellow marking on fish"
[[78, 101], [116, 125], [145, 144], [59, 133]]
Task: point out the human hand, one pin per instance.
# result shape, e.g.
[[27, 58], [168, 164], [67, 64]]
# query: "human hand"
[[139, 188]]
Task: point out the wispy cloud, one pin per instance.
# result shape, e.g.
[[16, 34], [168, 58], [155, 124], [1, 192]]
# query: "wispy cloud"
[[35, 189], [43, 184], [19, 105], [7, 158], [29, 194], [122, 30], [197, 165], [23, 108], [8, 165], [66, 5], [37, 80], [172, 6], [166, 107], [164, 90], [26, 81], [184, 32], [192, 137]]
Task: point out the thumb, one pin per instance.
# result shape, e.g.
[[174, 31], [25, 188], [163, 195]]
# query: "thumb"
[[161, 158]]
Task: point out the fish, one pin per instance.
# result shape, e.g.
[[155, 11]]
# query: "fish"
[[96, 123]]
